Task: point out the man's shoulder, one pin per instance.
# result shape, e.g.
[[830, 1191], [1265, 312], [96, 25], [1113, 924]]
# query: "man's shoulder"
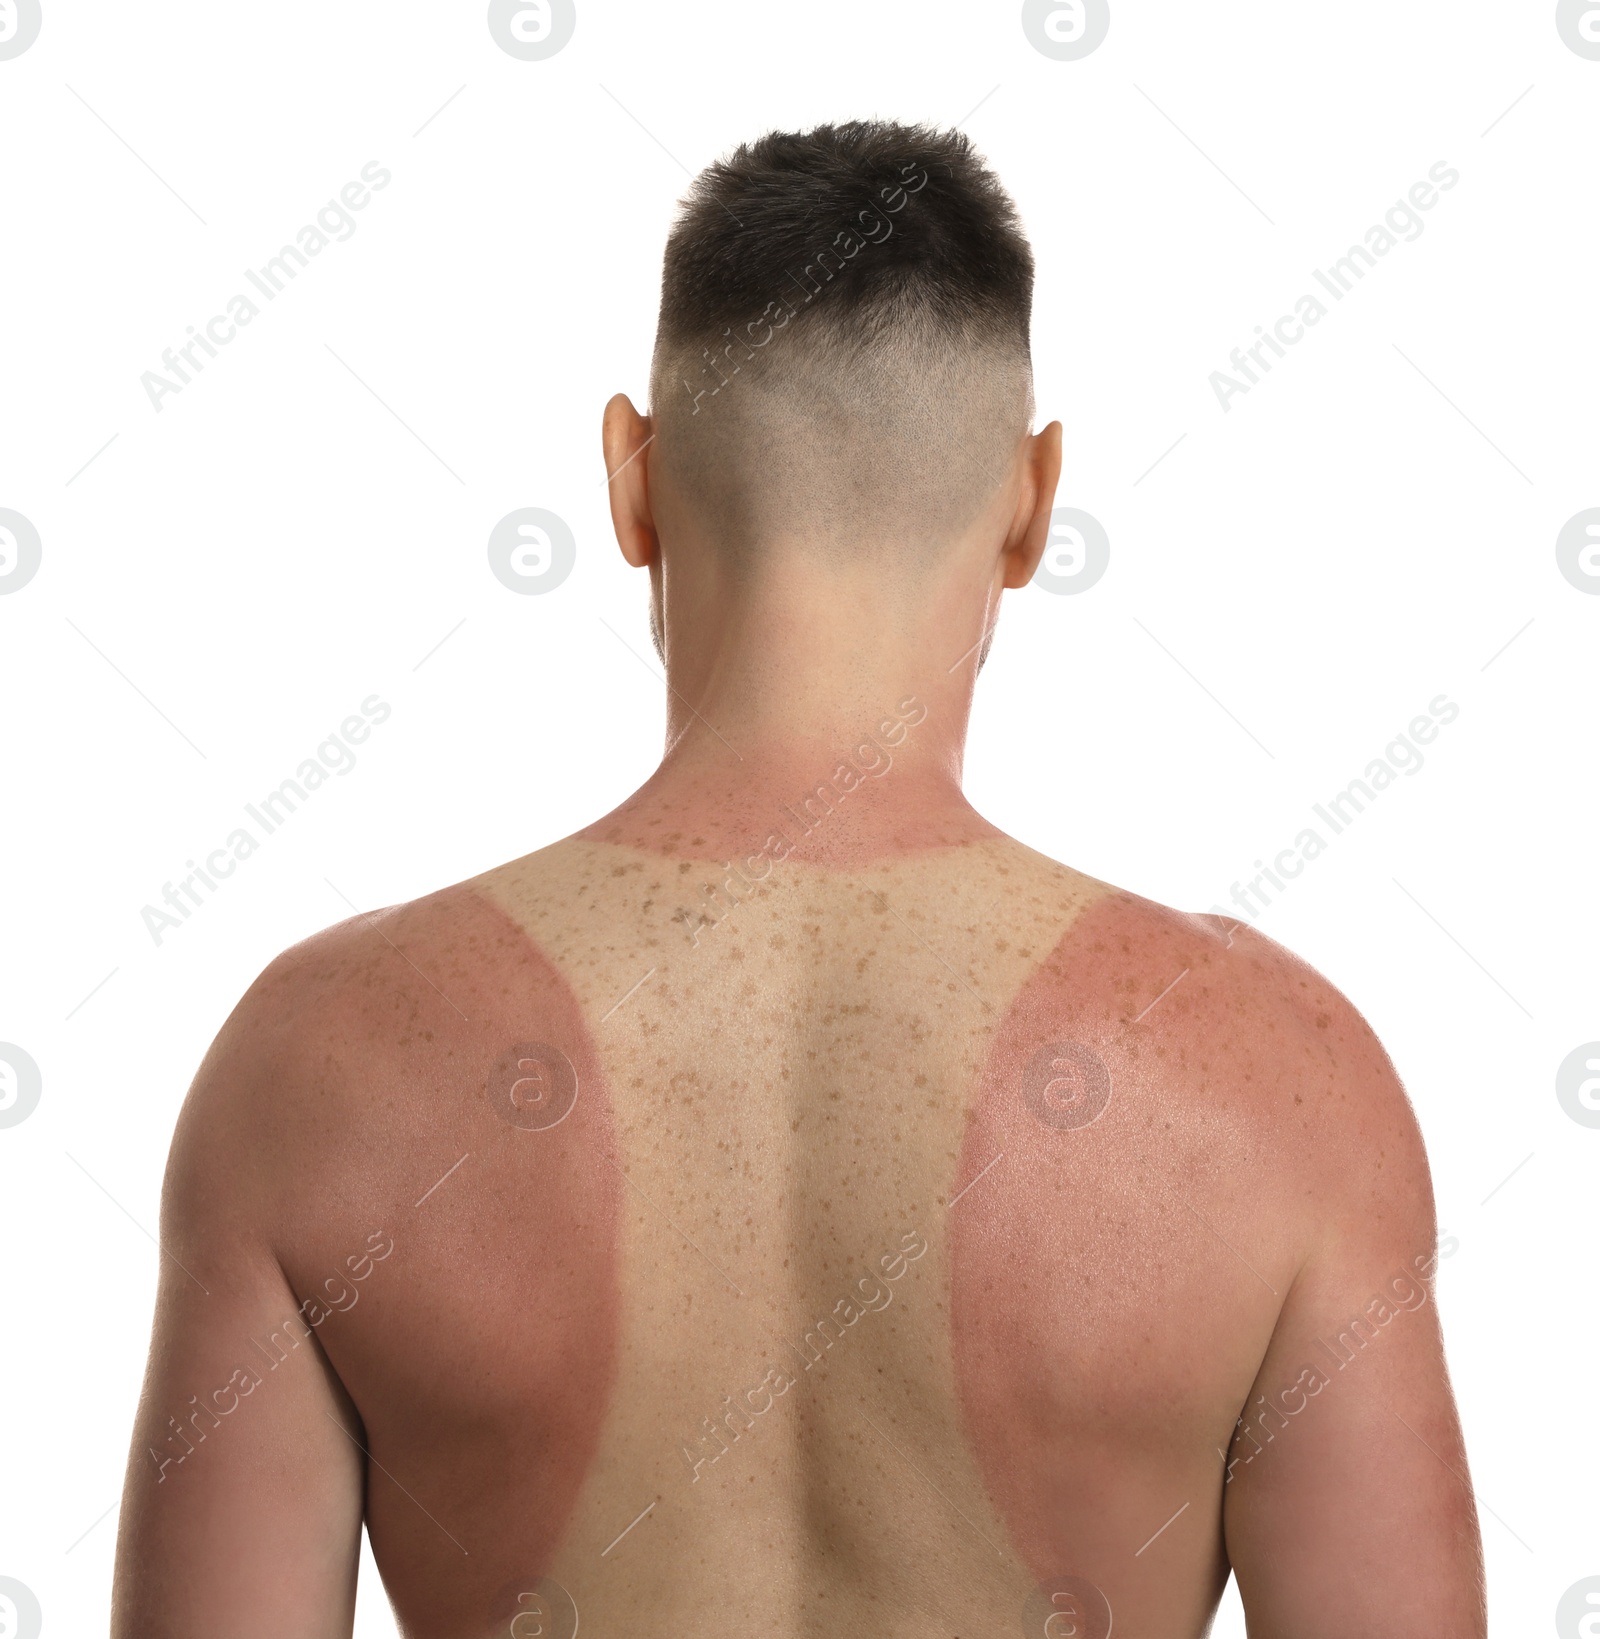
[[1278, 1043], [360, 976], [354, 1041], [416, 973], [1283, 1045], [402, 960]]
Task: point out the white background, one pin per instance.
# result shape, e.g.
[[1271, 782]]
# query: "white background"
[[228, 578]]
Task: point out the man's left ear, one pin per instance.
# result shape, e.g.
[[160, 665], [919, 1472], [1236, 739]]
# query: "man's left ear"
[[624, 435]]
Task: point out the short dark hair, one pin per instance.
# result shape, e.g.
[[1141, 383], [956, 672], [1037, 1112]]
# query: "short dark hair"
[[952, 261]]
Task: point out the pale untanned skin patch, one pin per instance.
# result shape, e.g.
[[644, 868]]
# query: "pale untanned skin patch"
[[789, 1090]]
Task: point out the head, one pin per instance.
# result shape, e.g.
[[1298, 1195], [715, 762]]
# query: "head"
[[841, 391]]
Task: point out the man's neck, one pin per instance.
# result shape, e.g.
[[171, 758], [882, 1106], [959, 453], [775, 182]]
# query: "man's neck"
[[805, 713]]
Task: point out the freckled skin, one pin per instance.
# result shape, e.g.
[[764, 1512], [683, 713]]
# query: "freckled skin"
[[757, 1287]]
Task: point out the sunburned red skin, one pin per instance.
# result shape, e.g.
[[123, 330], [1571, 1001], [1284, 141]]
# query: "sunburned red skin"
[[865, 795], [510, 1276], [1086, 1302]]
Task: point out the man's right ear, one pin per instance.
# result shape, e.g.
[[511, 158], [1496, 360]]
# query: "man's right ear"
[[625, 436], [1030, 530]]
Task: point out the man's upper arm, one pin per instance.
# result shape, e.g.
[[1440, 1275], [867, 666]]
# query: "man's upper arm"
[[242, 1506], [1347, 1507]]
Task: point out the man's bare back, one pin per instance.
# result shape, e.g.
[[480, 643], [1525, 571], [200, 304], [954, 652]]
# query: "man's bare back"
[[904, 1241], [791, 1205]]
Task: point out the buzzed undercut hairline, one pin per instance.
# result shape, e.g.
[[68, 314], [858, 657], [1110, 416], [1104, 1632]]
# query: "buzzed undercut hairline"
[[843, 343]]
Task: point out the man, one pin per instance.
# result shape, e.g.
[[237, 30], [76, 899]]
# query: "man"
[[790, 1205]]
